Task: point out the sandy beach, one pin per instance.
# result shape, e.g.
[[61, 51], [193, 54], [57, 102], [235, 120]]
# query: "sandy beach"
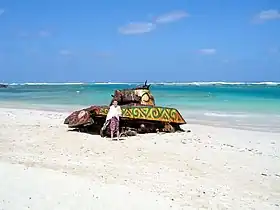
[[45, 166]]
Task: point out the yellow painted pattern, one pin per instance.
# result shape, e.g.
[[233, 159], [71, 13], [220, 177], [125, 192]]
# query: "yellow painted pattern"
[[163, 114]]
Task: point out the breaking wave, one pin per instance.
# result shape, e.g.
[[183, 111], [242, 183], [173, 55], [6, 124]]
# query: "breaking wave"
[[220, 83], [45, 83], [158, 83], [214, 114]]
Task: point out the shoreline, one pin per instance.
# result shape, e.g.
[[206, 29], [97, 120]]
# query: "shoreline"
[[210, 167], [191, 117]]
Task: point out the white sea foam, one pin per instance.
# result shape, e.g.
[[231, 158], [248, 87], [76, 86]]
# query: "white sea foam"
[[45, 83], [241, 115], [156, 83], [214, 114], [218, 83], [114, 83], [72, 83]]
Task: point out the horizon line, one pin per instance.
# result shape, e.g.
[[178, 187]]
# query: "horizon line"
[[152, 83]]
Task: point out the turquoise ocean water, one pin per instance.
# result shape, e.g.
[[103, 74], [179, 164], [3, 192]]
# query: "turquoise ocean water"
[[244, 105]]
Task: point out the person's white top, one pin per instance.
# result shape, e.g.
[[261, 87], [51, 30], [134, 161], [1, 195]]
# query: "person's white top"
[[114, 112]]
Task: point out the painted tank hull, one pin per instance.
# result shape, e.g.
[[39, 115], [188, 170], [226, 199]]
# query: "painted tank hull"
[[149, 113], [143, 119]]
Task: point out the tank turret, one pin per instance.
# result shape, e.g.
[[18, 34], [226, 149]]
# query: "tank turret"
[[139, 96]]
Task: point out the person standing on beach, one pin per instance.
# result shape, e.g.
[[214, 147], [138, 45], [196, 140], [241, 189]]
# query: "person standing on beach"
[[114, 116]]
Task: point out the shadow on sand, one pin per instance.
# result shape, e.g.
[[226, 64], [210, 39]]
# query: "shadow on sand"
[[122, 135]]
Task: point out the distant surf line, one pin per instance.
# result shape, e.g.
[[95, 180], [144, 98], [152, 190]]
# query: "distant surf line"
[[154, 83]]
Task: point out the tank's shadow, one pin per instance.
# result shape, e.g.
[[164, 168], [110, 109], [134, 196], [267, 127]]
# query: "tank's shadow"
[[114, 139], [97, 134], [107, 135], [83, 131], [123, 133]]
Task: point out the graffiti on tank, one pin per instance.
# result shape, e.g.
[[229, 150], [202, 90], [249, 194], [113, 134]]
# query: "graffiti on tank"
[[163, 114]]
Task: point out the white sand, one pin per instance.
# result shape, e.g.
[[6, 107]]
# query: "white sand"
[[42, 166], [45, 189]]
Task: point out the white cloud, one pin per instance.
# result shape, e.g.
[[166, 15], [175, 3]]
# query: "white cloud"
[[65, 52], [2, 11], [137, 28], [44, 33], [266, 15], [209, 51], [171, 17], [145, 27]]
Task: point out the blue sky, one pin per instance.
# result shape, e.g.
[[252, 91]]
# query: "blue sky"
[[171, 40]]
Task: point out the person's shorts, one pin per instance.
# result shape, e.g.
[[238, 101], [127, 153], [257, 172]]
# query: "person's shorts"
[[114, 124]]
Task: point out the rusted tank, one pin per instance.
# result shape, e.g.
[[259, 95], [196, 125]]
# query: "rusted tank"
[[139, 114]]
